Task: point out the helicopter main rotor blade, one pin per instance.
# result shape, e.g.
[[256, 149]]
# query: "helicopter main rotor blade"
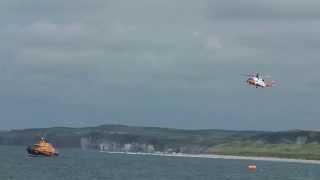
[[248, 75]]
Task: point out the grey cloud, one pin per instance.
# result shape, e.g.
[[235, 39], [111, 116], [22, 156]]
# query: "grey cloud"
[[259, 9], [26, 12], [156, 63]]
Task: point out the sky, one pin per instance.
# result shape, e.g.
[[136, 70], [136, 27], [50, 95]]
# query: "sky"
[[164, 63]]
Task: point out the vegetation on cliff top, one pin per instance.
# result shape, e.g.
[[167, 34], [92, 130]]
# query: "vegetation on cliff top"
[[289, 144]]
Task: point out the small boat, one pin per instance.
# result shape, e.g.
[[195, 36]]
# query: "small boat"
[[252, 167], [42, 148]]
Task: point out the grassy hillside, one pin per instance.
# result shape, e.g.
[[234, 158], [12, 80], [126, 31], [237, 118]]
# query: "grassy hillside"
[[290, 144], [300, 151]]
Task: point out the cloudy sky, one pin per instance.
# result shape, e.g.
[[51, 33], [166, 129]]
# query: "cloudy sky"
[[167, 63]]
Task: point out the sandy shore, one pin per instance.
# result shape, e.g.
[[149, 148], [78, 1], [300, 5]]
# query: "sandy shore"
[[224, 157]]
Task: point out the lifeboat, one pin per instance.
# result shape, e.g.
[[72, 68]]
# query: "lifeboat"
[[42, 148]]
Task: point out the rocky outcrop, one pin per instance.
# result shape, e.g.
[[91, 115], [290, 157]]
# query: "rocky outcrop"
[[112, 146]]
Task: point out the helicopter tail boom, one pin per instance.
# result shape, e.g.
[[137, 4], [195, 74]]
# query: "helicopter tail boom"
[[270, 84]]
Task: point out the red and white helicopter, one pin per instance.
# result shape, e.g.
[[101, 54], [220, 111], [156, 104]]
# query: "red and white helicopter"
[[257, 80]]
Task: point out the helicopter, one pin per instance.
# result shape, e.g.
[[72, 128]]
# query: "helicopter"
[[257, 80]]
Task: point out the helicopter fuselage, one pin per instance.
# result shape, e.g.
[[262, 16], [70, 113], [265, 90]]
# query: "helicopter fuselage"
[[257, 82]]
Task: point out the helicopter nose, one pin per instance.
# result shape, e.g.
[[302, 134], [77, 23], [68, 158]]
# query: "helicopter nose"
[[250, 81]]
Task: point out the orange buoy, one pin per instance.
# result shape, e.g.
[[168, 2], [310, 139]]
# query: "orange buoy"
[[252, 167]]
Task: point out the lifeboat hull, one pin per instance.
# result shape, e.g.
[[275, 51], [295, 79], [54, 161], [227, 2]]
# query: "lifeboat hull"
[[35, 152]]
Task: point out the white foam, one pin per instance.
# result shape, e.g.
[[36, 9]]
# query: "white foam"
[[213, 156]]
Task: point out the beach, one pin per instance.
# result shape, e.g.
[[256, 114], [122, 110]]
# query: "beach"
[[214, 156]]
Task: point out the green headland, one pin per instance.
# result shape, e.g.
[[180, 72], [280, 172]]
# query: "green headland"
[[298, 144]]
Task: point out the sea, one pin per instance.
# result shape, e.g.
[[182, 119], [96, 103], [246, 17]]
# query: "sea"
[[77, 164]]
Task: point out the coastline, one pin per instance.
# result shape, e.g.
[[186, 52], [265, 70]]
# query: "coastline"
[[227, 157]]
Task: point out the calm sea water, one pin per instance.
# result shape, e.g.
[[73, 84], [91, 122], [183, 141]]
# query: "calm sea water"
[[74, 164]]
